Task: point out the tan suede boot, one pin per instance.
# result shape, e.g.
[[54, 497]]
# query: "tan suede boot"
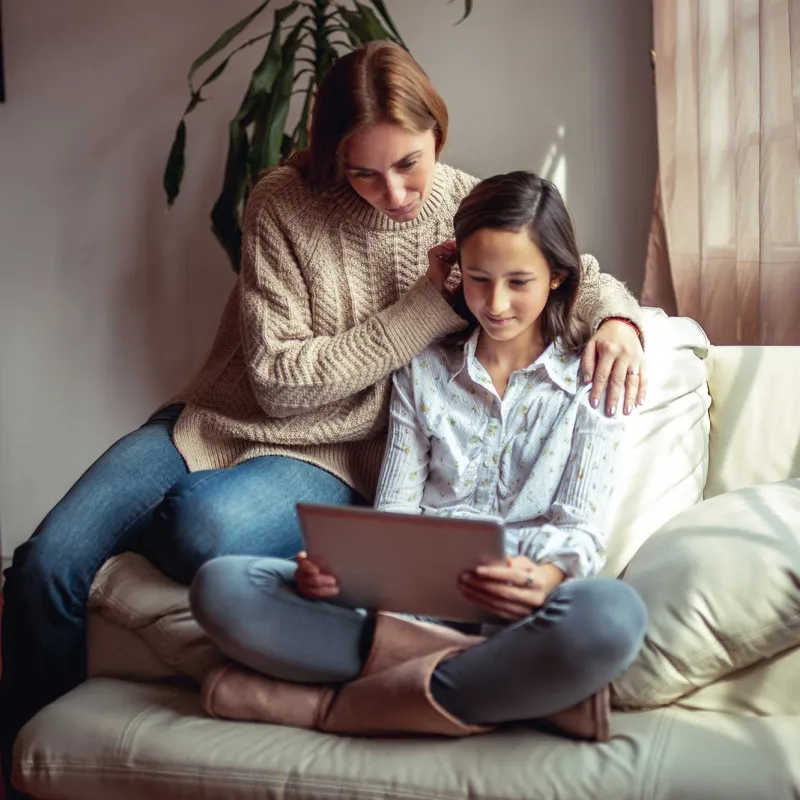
[[396, 700], [391, 694], [589, 720], [231, 691], [398, 639]]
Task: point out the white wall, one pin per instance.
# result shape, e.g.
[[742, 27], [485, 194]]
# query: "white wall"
[[107, 303]]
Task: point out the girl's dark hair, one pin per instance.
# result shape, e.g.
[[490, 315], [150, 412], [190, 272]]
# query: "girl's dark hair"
[[379, 82], [520, 201]]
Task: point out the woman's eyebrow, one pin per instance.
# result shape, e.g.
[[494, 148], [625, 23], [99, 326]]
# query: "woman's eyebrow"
[[405, 158], [408, 157]]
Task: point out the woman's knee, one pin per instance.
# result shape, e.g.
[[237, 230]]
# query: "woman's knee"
[[47, 581], [208, 515], [36, 569], [194, 512]]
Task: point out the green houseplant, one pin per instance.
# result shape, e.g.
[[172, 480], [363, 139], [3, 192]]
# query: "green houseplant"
[[306, 38]]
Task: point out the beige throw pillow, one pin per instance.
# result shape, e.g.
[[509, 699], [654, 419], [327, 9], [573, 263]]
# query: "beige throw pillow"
[[721, 582]]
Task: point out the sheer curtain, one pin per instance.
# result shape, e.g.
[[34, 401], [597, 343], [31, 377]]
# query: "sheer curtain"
[[725, 244]]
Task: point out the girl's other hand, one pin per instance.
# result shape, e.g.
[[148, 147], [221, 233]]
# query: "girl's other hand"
[[312, 581], [512, 591], [614, 360], [441, 259]]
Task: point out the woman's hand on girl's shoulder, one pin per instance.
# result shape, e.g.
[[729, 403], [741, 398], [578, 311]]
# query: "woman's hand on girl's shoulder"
[[613, 362], [512, 591], [312, 582]]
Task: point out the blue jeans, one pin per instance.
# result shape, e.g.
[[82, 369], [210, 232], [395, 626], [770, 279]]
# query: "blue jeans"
[[587, 633], [137, 496]]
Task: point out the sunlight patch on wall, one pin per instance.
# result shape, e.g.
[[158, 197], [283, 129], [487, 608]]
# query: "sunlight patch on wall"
[[554, 167]]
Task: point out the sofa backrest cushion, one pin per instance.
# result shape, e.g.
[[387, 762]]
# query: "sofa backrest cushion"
[[755, 416], [663, 470]]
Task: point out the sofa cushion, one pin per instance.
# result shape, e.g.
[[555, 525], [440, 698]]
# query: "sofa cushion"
[[755, 426], [663, 470], [721, 583], [767, 688], [116, 740]]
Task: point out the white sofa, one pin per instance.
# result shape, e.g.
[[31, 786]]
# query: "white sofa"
[[710, 709]]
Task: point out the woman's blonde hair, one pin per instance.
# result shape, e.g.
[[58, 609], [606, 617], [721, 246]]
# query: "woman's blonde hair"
[[378, 83]]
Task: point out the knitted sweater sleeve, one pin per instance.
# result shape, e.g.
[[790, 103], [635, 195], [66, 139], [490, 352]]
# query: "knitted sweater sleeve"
[[292, 370], [603, 296]]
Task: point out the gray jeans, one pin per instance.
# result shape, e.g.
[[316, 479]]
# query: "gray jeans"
[[586, 634]]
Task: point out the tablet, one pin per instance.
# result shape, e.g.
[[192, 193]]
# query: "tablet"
[[406, 563]]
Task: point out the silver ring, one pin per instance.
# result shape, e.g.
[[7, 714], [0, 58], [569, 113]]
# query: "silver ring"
[[633, 371], [528, 581]]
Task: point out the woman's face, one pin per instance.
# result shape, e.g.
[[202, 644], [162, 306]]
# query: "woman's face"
[[391, 168]]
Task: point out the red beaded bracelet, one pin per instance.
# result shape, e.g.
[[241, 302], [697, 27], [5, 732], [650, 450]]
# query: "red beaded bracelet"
[[627, 322]]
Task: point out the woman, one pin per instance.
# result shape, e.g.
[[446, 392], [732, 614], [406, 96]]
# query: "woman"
[[291, 404], [493, 423]]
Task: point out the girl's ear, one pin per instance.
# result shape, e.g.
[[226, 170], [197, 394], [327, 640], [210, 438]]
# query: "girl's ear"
[[556, 281]]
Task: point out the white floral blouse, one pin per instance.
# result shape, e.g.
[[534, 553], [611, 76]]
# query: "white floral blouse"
[[540, 459]]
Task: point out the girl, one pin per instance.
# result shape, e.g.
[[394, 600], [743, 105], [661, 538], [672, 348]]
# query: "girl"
[[492, 422]]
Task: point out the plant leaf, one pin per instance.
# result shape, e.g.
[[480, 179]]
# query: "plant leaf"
[[197, 96], [354, 25], [220, 68], [372, 25], [272, 107], [267, 70], [467, 9], [286, 146], [300, 134], [194, 101], [173, 172], [228, 207], [281, 99], [262, 111], [224, 40], [387, 18]]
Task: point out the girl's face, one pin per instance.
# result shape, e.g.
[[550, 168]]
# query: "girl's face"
[[391, 168], [507, 281]]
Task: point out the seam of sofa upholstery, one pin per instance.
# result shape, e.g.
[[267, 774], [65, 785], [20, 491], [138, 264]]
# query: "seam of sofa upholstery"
[[653, 760], [129, 731], [51, 770]]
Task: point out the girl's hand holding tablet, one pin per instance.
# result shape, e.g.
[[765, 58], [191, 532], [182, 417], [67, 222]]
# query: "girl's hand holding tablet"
[[312, 581], [512, 591]]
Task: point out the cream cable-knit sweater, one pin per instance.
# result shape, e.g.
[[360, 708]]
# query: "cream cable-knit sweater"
[[331, 299]]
